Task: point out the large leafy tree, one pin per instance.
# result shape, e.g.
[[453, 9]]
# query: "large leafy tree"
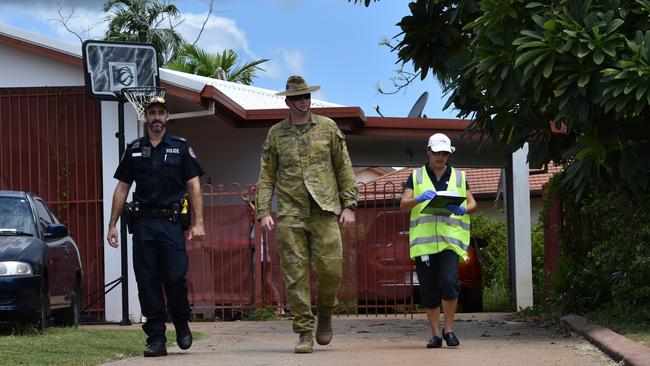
[[520, 68], [148, 21], [225, 66]]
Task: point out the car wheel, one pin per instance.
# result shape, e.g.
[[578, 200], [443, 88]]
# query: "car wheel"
[[70, 316], [472, 302], [43, 317]]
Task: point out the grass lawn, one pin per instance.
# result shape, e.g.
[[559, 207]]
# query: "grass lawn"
[[74, 346], [630, 321], [634, 329], [636, 332]]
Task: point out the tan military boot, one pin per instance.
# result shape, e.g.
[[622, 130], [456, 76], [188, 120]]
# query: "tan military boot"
[[324, 330], [305, 343]]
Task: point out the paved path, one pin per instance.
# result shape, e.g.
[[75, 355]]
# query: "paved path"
[[486, 339]]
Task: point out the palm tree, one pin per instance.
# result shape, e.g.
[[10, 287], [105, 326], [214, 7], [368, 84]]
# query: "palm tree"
[[224, 66], [140, 20]]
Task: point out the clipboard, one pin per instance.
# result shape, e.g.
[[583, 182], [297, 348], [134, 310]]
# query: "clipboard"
[[437, 206]]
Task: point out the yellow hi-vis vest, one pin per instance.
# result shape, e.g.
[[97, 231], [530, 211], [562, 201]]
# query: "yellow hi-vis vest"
[[431, 234]]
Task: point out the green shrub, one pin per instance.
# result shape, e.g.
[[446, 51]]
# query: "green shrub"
[[605, 260], [495, 262]]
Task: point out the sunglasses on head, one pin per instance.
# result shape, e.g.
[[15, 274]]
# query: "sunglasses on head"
[[299, 97]]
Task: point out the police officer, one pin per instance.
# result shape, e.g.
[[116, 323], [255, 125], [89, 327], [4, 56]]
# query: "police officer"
[[306, 157], [164, 167]]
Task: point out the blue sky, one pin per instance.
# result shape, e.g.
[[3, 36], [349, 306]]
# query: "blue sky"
[[332, 43]]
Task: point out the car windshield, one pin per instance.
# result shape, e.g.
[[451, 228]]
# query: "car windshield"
[[15, 217]]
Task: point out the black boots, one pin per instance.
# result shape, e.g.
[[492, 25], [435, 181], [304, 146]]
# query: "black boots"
[[155, 349], [183, 336]]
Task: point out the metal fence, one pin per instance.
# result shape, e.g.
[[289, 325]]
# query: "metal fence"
[[236, 268], [50, 145]]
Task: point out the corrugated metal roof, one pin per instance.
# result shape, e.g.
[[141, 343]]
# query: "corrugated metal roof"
[[483, 181], [248, 97], [39, 40]]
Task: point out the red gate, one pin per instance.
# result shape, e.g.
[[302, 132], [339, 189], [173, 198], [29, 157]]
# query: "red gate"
[[236, 268]]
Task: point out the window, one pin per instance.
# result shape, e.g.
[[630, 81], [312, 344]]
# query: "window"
[[16, 215], [44, 217]]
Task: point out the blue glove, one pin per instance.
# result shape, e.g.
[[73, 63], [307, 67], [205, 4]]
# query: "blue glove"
[[456, 210], [426, 196]]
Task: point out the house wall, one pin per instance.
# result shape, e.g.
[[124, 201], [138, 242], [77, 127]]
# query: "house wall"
[[112, 256], [367, 175], [21, 69], [227, 154], [495, 210]]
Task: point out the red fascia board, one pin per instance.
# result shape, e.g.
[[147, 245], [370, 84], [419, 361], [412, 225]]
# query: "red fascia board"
[[220, 98], [418, 123], [412, 127], [181, 92], [262, 117], [41, 51]]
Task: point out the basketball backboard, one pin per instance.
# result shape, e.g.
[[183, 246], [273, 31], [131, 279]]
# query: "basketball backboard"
[[111, 66]]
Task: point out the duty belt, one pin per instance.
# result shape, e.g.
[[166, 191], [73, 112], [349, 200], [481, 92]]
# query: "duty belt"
[[159, 213]]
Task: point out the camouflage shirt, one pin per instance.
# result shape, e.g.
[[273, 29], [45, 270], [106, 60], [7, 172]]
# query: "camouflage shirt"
[[302, 162]]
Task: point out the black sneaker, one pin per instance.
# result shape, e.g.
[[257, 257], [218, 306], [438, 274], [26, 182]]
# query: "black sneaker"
[[451, 339], [434, 342]]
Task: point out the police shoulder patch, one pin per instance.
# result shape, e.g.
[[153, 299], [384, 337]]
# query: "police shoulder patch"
[[179, 138], [135, 143]]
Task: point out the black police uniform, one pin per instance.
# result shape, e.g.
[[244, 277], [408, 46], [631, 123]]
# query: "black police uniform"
[[159, 257]]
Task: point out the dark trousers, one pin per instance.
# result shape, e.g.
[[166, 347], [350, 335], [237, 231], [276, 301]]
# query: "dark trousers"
[[160, 261], [438, 278]]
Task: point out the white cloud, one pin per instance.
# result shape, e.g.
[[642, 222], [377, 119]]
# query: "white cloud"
[[219, 34], [87, 23], [293, 60], [284, 62]]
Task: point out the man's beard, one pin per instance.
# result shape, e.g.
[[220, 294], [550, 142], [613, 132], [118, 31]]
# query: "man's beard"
[[156, 126]]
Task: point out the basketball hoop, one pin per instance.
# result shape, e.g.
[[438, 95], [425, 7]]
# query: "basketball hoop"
[[139, 96]]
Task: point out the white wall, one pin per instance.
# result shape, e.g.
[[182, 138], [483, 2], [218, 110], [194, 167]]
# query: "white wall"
[[112, 256], [227, 154], [496, 210], [22, 69]]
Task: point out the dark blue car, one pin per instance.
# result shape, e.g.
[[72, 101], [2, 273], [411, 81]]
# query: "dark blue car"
[[40, 268]]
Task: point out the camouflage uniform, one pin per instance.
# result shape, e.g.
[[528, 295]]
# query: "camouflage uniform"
[[313, 173]]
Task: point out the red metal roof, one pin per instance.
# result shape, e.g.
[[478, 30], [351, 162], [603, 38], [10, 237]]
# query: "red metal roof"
[[482, 181]]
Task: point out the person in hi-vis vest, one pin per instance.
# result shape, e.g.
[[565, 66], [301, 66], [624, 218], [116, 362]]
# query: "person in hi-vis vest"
[[438, 242]]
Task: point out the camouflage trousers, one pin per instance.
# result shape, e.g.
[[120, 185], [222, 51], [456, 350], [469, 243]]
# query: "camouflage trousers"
[[301, 241]]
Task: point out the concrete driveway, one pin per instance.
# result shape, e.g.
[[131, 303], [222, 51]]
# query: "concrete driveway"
[[486, 339]]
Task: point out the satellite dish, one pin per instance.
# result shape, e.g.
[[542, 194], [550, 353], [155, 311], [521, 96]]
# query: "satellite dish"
[[377, 110], [418, 107]]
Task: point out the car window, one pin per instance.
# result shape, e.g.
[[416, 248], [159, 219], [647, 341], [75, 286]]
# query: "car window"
[[16, 216], [44, 216]]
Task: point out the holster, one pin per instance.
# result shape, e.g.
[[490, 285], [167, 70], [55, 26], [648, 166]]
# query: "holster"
[[185, 217], [128, 215]]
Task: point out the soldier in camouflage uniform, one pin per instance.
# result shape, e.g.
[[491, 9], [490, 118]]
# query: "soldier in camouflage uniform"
[[305, 156]]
